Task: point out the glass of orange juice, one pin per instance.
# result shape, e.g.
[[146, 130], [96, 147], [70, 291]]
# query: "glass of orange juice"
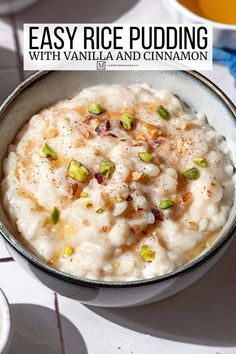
[[223, 11], [219, 10]]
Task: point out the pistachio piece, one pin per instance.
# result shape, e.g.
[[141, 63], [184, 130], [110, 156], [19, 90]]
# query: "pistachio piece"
[[166, 204], [55, 214], [84, 195], [145, 157], [46, 151], [77, 171], [191, 173], [107, 168], [201, 161], [100, 211], [95, 108], [68, 251], [119, 199], [127, 120], [163, 113], [147, 253], [88, 205]]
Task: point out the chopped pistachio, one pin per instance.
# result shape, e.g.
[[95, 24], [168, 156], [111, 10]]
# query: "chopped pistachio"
[[89, 205], [95, 108], [119, 199], [201, 162], [55, 214], [84, 195], [145, 156], [68, 251], [46, 151], [106, 168], [100, 211], [166, 204], [191, 173], [163, 113], [147, 253], [77, 171], [127, 120]]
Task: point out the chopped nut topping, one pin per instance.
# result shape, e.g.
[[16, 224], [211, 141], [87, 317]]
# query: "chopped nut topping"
[[192, 225], [99, 177], [163, 113], [84, 195], [95, 108], [72, 189], [103, 127], [145, 157], [86, 222], [166, 204], [140, 137], [191, 173], [136, 176], [46, 151], [106, 168], [94, 123], [157, 214], [77, 171], [180, 146], [187, 198], [103, 229], [87, 134], [201, 162], [186, 125], [100, 211], [151, 131], [127, 120], [55, 214], [68, 251], [119, 199], [147, 254], [52, 133]]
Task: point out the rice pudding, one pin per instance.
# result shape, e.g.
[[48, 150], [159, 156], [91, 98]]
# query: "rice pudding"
[[118, 183]]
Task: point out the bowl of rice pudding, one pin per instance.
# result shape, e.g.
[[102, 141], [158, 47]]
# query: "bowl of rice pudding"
[[5, 324], [117, 188]]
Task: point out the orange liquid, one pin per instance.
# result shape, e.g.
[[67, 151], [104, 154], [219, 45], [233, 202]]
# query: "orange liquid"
[[223, 11]]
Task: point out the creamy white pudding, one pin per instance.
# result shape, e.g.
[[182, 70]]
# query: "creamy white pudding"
[[118, 183]]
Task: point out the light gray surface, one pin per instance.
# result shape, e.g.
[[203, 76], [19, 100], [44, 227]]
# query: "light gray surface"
[[200, 320]]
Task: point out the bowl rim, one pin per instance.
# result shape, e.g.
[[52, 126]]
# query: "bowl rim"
[[186, 11], [41, 265], [5, 316]]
